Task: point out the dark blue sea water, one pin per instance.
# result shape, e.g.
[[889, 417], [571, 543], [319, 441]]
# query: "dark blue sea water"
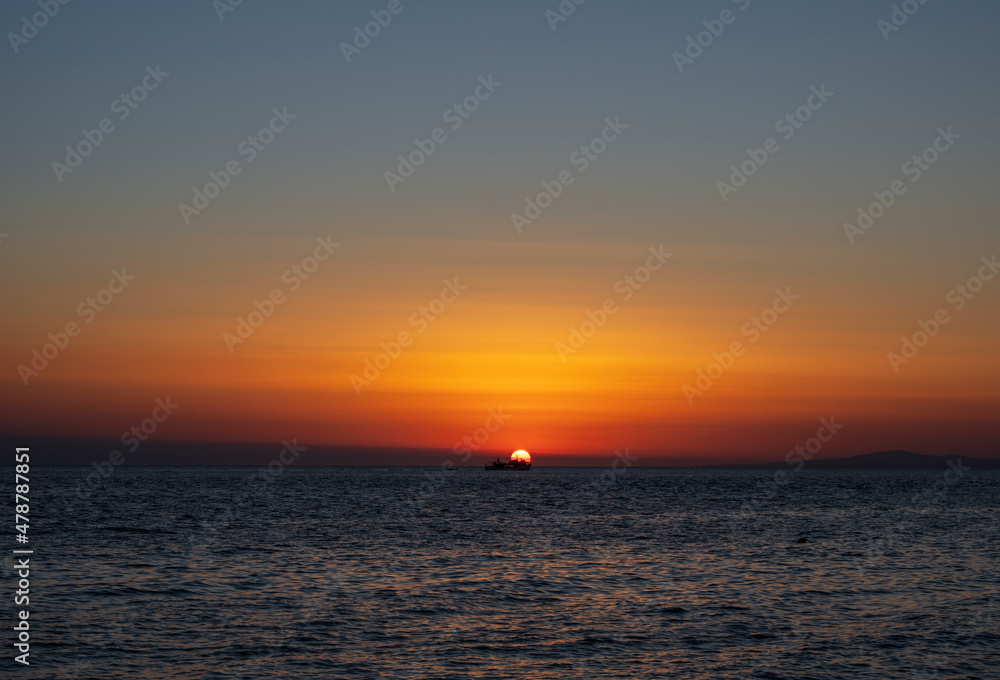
[[552, 573]]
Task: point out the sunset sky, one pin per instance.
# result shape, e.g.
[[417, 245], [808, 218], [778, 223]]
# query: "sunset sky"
[[495, 345]]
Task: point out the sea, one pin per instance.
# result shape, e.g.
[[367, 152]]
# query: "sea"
[[409, 572]]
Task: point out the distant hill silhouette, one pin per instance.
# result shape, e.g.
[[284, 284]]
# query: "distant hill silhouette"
[[896, 459]]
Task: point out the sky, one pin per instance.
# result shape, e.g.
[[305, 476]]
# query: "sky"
[[265, 150]]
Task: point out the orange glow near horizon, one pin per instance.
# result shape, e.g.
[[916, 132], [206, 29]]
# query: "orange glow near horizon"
[[495, 347]]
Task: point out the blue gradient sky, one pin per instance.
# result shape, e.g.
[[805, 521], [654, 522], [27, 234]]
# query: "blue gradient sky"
[[608, 58]]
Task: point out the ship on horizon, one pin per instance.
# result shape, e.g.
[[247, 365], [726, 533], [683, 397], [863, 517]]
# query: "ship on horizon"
[[519, 460]]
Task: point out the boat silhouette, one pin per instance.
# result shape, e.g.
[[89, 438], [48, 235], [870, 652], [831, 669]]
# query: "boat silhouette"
[[500, 464]]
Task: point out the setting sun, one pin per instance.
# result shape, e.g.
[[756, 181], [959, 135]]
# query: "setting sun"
[[740, 291]]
